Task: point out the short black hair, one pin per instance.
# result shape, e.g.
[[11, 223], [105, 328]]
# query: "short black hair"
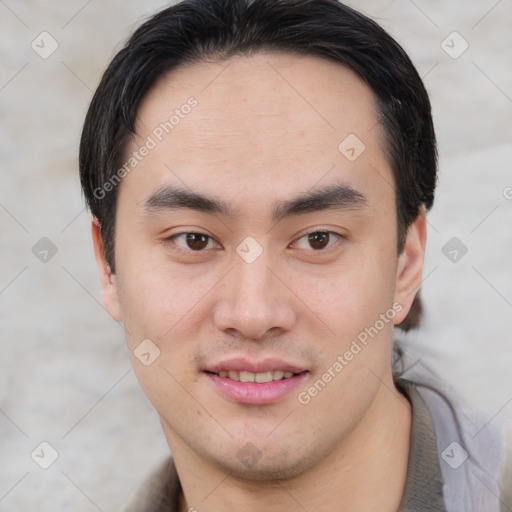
[[215, 30]]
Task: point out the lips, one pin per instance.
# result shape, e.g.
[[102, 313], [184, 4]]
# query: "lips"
[[255, 383]]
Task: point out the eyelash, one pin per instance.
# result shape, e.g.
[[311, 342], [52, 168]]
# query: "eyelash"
[[188, 250]]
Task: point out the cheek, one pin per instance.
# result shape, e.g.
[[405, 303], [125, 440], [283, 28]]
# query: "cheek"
[[164, 304], [349, 296], [161, 319]]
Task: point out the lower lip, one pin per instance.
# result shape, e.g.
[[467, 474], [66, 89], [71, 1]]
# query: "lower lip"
[[250, 393]]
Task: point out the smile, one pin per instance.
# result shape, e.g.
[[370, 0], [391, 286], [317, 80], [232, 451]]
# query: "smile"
[[259, 378]]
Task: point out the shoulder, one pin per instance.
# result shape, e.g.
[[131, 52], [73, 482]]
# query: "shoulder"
[[469, 446], [506, 470], [159, 492]]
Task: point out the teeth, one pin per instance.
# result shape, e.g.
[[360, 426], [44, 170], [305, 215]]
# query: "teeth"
[[263, 377], [247, 377], [260, 377], [234, 375]]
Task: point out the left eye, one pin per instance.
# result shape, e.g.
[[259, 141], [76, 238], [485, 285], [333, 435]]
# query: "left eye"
[[319, 240], [193, 241]]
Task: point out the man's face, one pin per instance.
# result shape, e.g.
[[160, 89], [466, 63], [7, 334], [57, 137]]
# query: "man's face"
[[251, 291]]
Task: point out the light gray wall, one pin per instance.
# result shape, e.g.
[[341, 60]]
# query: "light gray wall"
[[65, 377]]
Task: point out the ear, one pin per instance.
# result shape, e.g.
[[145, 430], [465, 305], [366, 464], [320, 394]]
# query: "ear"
[[410, 265], [108, 279]]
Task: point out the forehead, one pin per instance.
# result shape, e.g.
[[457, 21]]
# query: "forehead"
[[268, 123]]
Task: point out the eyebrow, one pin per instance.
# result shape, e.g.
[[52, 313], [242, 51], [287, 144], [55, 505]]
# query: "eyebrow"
[[330, 197]]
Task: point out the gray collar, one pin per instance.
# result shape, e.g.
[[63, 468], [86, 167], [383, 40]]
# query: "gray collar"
[[424, 484]]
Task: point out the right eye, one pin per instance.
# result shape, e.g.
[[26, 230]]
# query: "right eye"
[[193, 242]]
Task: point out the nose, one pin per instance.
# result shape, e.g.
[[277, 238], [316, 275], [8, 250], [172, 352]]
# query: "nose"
[[253, 302]]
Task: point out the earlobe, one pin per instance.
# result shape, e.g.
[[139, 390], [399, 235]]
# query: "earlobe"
[[108, 279], [410, 265]]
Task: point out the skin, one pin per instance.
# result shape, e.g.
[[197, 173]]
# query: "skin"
[[266, 129]]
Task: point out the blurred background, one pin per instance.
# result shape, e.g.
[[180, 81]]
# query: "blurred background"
[[65, 376]]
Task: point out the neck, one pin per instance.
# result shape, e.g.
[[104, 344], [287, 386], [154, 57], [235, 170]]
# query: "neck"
[[367, 471]]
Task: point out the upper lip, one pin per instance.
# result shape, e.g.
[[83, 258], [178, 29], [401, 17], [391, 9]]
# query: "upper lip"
[[243, 365]]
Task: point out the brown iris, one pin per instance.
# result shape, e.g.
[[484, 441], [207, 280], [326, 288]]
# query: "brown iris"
[[318, 240], [197, 241]]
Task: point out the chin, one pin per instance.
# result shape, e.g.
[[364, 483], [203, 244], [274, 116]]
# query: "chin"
[[251, 465]]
